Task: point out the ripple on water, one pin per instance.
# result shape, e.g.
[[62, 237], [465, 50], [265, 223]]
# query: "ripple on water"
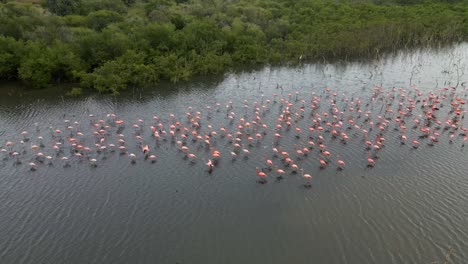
[[409, 208]]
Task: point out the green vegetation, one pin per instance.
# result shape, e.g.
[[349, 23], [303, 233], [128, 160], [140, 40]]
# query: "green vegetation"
[[75, 92], [110, 45]]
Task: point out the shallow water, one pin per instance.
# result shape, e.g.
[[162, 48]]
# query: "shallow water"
[[410, 208]]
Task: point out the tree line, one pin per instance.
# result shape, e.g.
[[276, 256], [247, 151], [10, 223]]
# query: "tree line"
[[110, 45]]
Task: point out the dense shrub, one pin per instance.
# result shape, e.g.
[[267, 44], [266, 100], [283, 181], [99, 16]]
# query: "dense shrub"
[[109, 45]]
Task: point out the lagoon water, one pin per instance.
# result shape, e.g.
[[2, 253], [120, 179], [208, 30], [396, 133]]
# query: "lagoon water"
[[410, 208]]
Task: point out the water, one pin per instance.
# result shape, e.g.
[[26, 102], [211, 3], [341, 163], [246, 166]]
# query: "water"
[[410, 208]]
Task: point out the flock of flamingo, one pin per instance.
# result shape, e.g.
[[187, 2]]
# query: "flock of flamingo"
[[310, 120]]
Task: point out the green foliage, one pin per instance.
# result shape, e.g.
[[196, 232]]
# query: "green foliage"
[[157, 37], [17, 20], [96, 48], [76, 21], [100, 19], [210, 63], [43, 64], [203, 36], [63, 7], [172, 67], [88, 6], [75, 92], [128, 2], [116, 75], [10, 56], [110, 45]]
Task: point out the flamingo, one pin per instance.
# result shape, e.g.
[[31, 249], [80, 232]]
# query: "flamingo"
[[145, 149], [323, 163], [262, 176], [327, 122], [192, 157], [233, 155], [269, 163], [132, 158], [294, 168], [341, 163], [370, 161], [210, 165], [152, 158], [308, 179], [280, 173]]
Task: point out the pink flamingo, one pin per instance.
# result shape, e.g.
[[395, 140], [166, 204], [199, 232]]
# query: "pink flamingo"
[[192, 157], [370, 161], [262, 176], [341, 163], [308, 179], [280, 173], [323, 163]]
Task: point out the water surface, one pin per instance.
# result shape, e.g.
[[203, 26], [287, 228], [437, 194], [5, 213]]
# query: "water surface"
[[410, 208]]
